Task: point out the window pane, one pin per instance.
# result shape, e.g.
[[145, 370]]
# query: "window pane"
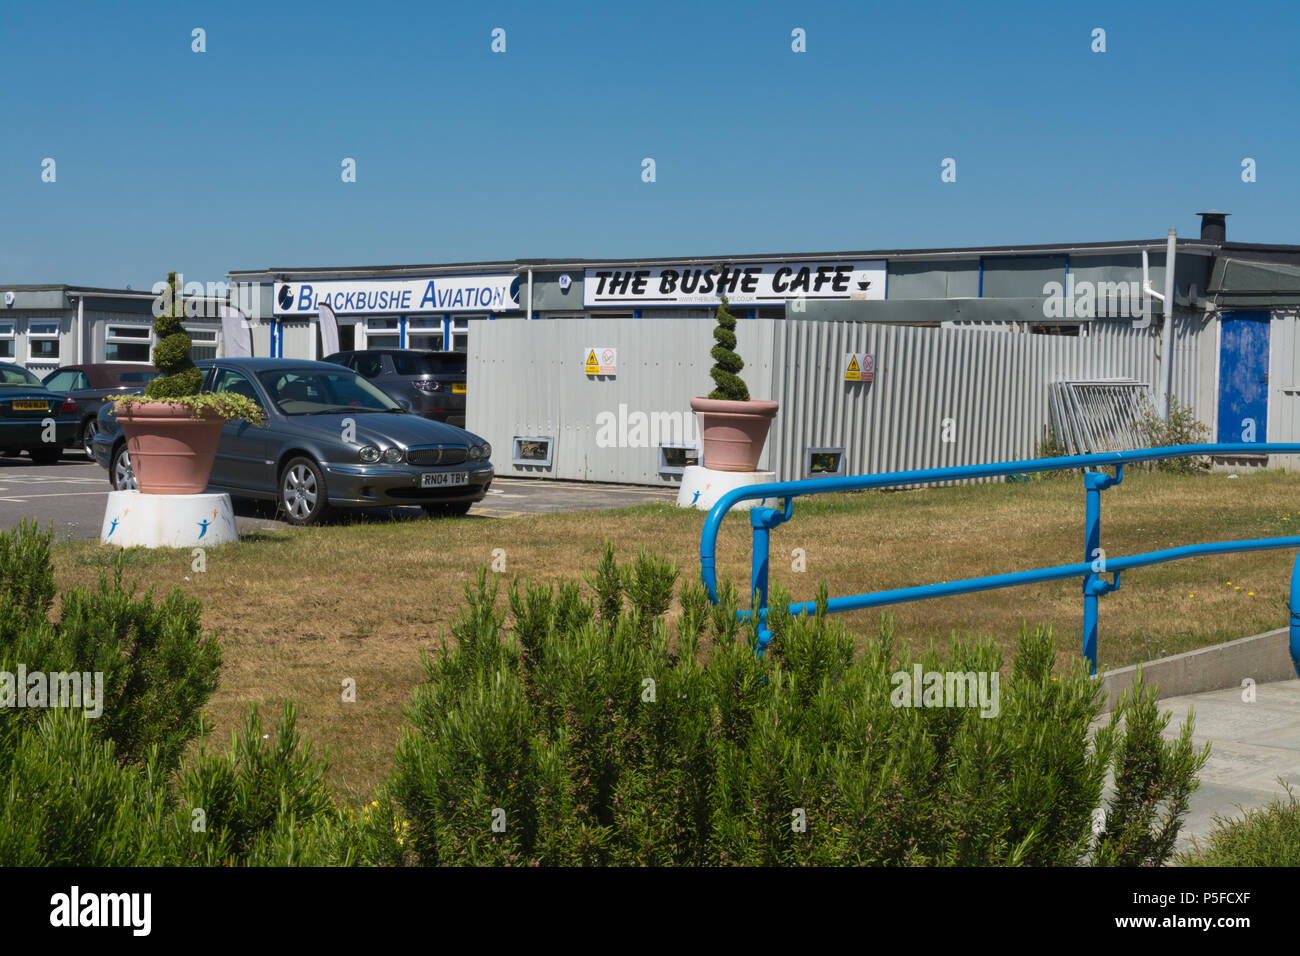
[[17, 375], [128, 331], [38, 349], [228, 380], [60, 381], [381, 341], [416, 364], [6, 348], [121, 352]]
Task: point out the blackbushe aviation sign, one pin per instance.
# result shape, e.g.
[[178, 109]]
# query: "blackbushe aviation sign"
[[762, 283], [482, 293]]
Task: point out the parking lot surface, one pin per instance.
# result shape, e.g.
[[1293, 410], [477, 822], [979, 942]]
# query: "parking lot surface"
[[72, 493]]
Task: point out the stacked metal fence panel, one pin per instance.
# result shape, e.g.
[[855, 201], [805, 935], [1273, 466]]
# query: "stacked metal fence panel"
[[1092, 417]]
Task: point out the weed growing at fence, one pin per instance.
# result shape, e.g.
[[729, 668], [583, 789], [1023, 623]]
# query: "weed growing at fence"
[[1180, 428]]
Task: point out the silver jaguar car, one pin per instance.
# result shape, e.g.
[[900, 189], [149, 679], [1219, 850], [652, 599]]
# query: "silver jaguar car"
[[331, 439]]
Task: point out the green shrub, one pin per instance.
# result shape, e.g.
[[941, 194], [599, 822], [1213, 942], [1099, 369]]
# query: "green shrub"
[[587, 732], [159, 669], [69, 801], [171, 355], [1266, 836], [81, 790], [261, 803], [727, 364], [1180, 428]]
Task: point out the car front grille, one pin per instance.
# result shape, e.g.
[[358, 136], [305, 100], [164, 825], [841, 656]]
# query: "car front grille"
[[436, 454]]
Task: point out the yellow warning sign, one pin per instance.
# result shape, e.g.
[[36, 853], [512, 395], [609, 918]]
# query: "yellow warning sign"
[[600, 360], [859, 367]]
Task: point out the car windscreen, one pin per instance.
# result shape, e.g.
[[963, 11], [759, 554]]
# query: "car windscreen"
[[319, 392], [16, 375], [424, 363]]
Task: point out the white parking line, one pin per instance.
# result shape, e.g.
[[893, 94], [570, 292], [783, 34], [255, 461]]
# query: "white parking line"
[[606, 488], [62, 494]]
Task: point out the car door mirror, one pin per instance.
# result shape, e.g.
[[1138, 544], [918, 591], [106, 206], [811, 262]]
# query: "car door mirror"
[[406, 405]]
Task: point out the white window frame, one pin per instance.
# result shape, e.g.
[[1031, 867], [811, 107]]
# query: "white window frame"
[[426, 327], [205, 337], [55, 337], [460, 327], [395, 333], [111, 339]]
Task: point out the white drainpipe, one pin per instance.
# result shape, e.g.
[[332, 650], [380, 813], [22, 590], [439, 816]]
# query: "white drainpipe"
[[529, 313], [81, 324], [1167, 334]]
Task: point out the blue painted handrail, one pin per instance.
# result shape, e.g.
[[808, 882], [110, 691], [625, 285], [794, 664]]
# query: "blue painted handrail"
[[1095, 564]]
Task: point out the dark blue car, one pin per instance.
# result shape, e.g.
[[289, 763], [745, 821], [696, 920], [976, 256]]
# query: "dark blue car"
[[331, 439], [27, 410]]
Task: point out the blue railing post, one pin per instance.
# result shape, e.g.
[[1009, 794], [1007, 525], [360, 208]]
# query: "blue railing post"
[[1094, 483], [758, 581], [1295, 616], [763, 520]]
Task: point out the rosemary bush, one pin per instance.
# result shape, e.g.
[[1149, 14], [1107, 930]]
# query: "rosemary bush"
[[587, 731]]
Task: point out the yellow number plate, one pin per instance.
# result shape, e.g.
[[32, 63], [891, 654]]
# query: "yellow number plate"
[[30, 406], [458, 388]]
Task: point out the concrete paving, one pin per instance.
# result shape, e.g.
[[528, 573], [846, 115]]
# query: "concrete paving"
[[1252, 745], [72, 494]]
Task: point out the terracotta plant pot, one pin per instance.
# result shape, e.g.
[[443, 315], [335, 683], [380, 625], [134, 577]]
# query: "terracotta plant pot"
[[171, 450], [732, 434]]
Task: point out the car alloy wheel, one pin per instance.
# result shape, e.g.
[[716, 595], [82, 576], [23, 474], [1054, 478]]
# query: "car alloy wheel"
[[122, 475], [88, 433], [302, 492]]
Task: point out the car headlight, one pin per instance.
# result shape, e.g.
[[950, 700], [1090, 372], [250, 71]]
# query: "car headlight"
[[369, 454], [393, 455], [480, 451]]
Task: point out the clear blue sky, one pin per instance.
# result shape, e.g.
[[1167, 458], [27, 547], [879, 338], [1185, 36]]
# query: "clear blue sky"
[[229, 159]]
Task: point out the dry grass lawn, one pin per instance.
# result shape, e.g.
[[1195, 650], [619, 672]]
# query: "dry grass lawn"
[[297, 612]]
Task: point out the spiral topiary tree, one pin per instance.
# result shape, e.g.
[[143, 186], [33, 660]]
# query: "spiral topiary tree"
[[726, 363], [171, 356]]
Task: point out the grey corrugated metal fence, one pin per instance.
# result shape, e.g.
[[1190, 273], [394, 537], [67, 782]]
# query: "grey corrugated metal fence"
[[940, 397]]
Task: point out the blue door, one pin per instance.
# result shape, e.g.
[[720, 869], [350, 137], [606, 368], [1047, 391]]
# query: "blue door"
[[1243, 377]]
